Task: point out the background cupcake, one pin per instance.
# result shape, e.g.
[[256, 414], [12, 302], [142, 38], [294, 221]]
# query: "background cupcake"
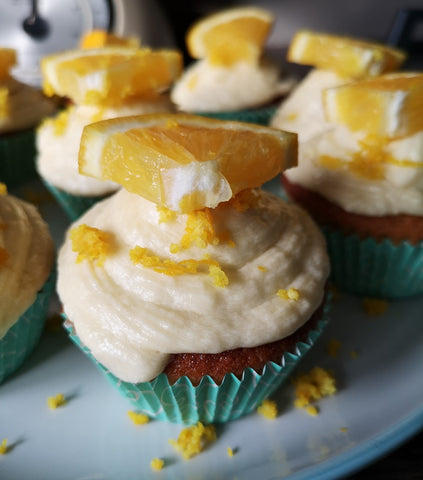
[[26, 280], [22, 107], [232, 78], [101, 83], [362, 181], [172, 303]]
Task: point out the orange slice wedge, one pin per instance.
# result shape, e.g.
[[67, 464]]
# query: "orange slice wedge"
[[388, 106], [230, 36], [349, 57], [184, 162], [7, 61], [110, 75], [101, 38]]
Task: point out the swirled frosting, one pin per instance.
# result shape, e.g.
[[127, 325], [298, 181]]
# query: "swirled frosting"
[[133, 318], [58, 142], [27, 258]]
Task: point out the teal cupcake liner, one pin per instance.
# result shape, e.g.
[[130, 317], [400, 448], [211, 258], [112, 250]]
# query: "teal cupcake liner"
[[74, 206], [21, 339], [369, 268], [17, 157], [207, 402], [260, 116]]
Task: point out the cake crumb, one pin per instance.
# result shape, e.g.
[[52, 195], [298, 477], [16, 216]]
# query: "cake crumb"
[[138, 418], [344, 429], [374, 306], [193, 439], [312, 410], [157, 464], [333, 347], [268, 409], [91, 244], [4, 447], [57, 401], [231, 452], [290, 294], [318, 383], [3, 189]]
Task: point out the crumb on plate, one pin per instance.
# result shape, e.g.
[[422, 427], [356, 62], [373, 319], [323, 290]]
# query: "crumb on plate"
[[193, 439], [268, 409], [138, 418], [57, 401]]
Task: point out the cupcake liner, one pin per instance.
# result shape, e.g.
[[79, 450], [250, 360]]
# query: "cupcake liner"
[[74, 206], [366, 267], [17, 157], [21, 339], [260, 116], [207, 402]]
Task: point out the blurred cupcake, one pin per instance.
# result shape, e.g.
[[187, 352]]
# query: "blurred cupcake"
[[200, 312], [22, 107], [232, 78], [104, 82], [335, 60], [26, 280], [362, 181]]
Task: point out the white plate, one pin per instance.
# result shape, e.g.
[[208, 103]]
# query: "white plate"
[[379, 404]]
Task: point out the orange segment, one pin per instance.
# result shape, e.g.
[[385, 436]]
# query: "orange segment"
[[102, 38], [110, 75], [388, 106], [184, 162], [230, 36], [7, 61], [347, 56]]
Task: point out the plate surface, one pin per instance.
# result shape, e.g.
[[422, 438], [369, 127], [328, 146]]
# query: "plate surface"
[[378, 405]]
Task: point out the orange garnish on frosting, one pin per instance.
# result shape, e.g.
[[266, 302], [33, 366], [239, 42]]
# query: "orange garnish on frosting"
[[289, 294], [91, 244]]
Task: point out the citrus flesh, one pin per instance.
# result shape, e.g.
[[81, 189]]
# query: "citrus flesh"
[[7, 61], [388, 106], [101, 38], [110, 75], [230, 36], [349, 57], [185, 162]]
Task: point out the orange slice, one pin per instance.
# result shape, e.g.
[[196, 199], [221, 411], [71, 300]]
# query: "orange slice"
[[184, 162], [349, 57], [230, 36], [389, 106], [7, 61], [110, 75], [101, 38]]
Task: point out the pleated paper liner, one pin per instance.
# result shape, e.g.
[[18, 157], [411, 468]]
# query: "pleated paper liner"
[[73, 205], [21, 339], [260, 116], [207, 402], [366, 267], [17, 157]]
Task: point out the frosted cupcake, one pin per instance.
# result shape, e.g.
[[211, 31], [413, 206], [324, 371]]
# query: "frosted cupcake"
[[22, 107], [231, 78], [335, 60], [362, 181], [26, 280], [102, 83], [200, 312]]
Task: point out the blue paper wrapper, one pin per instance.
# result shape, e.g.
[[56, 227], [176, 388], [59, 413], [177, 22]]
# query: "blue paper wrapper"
[[207, 402], [260, 116]]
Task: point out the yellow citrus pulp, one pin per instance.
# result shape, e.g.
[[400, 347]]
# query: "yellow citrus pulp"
[[101, 38], [230, 36], [388, 106], [7, 61], [110, 75], [184, 162], [347, 56]]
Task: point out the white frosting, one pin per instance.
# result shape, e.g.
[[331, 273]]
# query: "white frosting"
[[30, 249], [302, 112], [57, 160], [133, 318], [26, 106], [206, 87], [400, 191]]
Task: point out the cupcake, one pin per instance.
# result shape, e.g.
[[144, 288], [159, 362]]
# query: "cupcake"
[[22, 107], [334, 60], [26, 279], [362, 182], [231, 78], [200, 312], [101, 83]]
